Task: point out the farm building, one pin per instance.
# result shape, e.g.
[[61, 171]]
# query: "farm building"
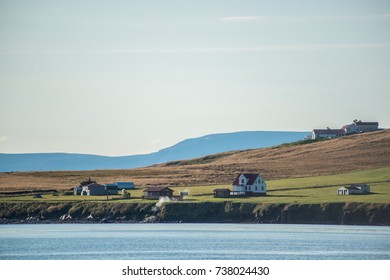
[[78, 189], [327, 133], [125, 185], [354, 189], [87, 182], [221, 193], [355, 127], [249, 184], [94, 189], [111, 188], [359, 127], [157, 192]]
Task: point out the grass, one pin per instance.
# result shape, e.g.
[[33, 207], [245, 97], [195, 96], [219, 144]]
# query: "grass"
[[319, 189]]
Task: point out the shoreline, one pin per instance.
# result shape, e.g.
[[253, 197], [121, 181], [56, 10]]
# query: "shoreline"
[[377, 214]]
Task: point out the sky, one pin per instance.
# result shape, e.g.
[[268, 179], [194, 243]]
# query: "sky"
[[131, 77]]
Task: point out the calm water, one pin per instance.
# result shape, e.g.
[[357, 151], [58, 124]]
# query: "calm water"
[[193, 241]]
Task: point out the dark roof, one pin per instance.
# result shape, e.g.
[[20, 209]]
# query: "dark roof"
[[156, 189], [87, 182], [251, 177], [367, 123], [358, 185], [355, 186], [94, 185], [221, 190], [329, 131]]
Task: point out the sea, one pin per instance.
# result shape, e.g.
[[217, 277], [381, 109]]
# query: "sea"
[[193, 242]]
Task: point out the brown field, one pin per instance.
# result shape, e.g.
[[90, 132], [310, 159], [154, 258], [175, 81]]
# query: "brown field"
[[357, 152]]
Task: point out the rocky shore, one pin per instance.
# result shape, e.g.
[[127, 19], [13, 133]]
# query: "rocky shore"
[[206, 212]]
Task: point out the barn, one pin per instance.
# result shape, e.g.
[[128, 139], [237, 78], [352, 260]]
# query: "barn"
[[157, 192]]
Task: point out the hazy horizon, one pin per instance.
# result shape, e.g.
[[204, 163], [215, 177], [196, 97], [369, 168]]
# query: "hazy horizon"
[[133, 77], [162, 148]]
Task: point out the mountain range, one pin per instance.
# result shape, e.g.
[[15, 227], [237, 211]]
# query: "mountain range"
[[187, 149]]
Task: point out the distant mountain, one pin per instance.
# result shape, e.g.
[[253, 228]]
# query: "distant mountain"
[[187, 149]]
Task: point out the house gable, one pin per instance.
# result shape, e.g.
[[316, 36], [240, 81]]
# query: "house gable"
[[249, 183]]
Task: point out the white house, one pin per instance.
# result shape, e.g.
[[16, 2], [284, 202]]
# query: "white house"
[[359, 126], [354, 189], [249, 184], [327, 133]]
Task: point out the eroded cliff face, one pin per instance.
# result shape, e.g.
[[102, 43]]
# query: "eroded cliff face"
[[327, 213], [207, 212]]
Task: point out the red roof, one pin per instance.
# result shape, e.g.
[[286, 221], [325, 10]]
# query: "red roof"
[[251, 177]]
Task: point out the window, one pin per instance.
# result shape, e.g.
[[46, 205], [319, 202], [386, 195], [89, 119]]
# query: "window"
[[262, 188], [242, 181], [256, 188]]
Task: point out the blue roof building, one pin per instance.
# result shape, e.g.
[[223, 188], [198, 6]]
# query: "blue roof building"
[[125, 185]]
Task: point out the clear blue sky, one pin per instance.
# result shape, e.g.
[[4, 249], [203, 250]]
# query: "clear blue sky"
[[129, 77]]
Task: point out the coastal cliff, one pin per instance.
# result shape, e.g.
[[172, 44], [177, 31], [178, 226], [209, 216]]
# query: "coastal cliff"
[[207, 212]]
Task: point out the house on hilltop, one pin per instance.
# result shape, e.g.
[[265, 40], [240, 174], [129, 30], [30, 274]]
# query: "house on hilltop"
[[359, 127], [327, 133], [355, 127], [249, 184]]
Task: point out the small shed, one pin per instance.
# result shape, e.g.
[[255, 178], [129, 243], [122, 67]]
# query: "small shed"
[[94, 189], [157, 192], [221, 193], [111, 188], [354, 189]]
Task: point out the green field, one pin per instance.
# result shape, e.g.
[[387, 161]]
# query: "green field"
[[321, 189]]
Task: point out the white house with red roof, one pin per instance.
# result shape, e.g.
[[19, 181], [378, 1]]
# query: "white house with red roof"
[[251, 184], [355, 127]]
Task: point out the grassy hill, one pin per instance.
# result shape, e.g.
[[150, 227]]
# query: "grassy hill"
[[365, 151], [308, 190]]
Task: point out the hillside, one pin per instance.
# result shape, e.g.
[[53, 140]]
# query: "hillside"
[[187, 149], [351, 153]]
